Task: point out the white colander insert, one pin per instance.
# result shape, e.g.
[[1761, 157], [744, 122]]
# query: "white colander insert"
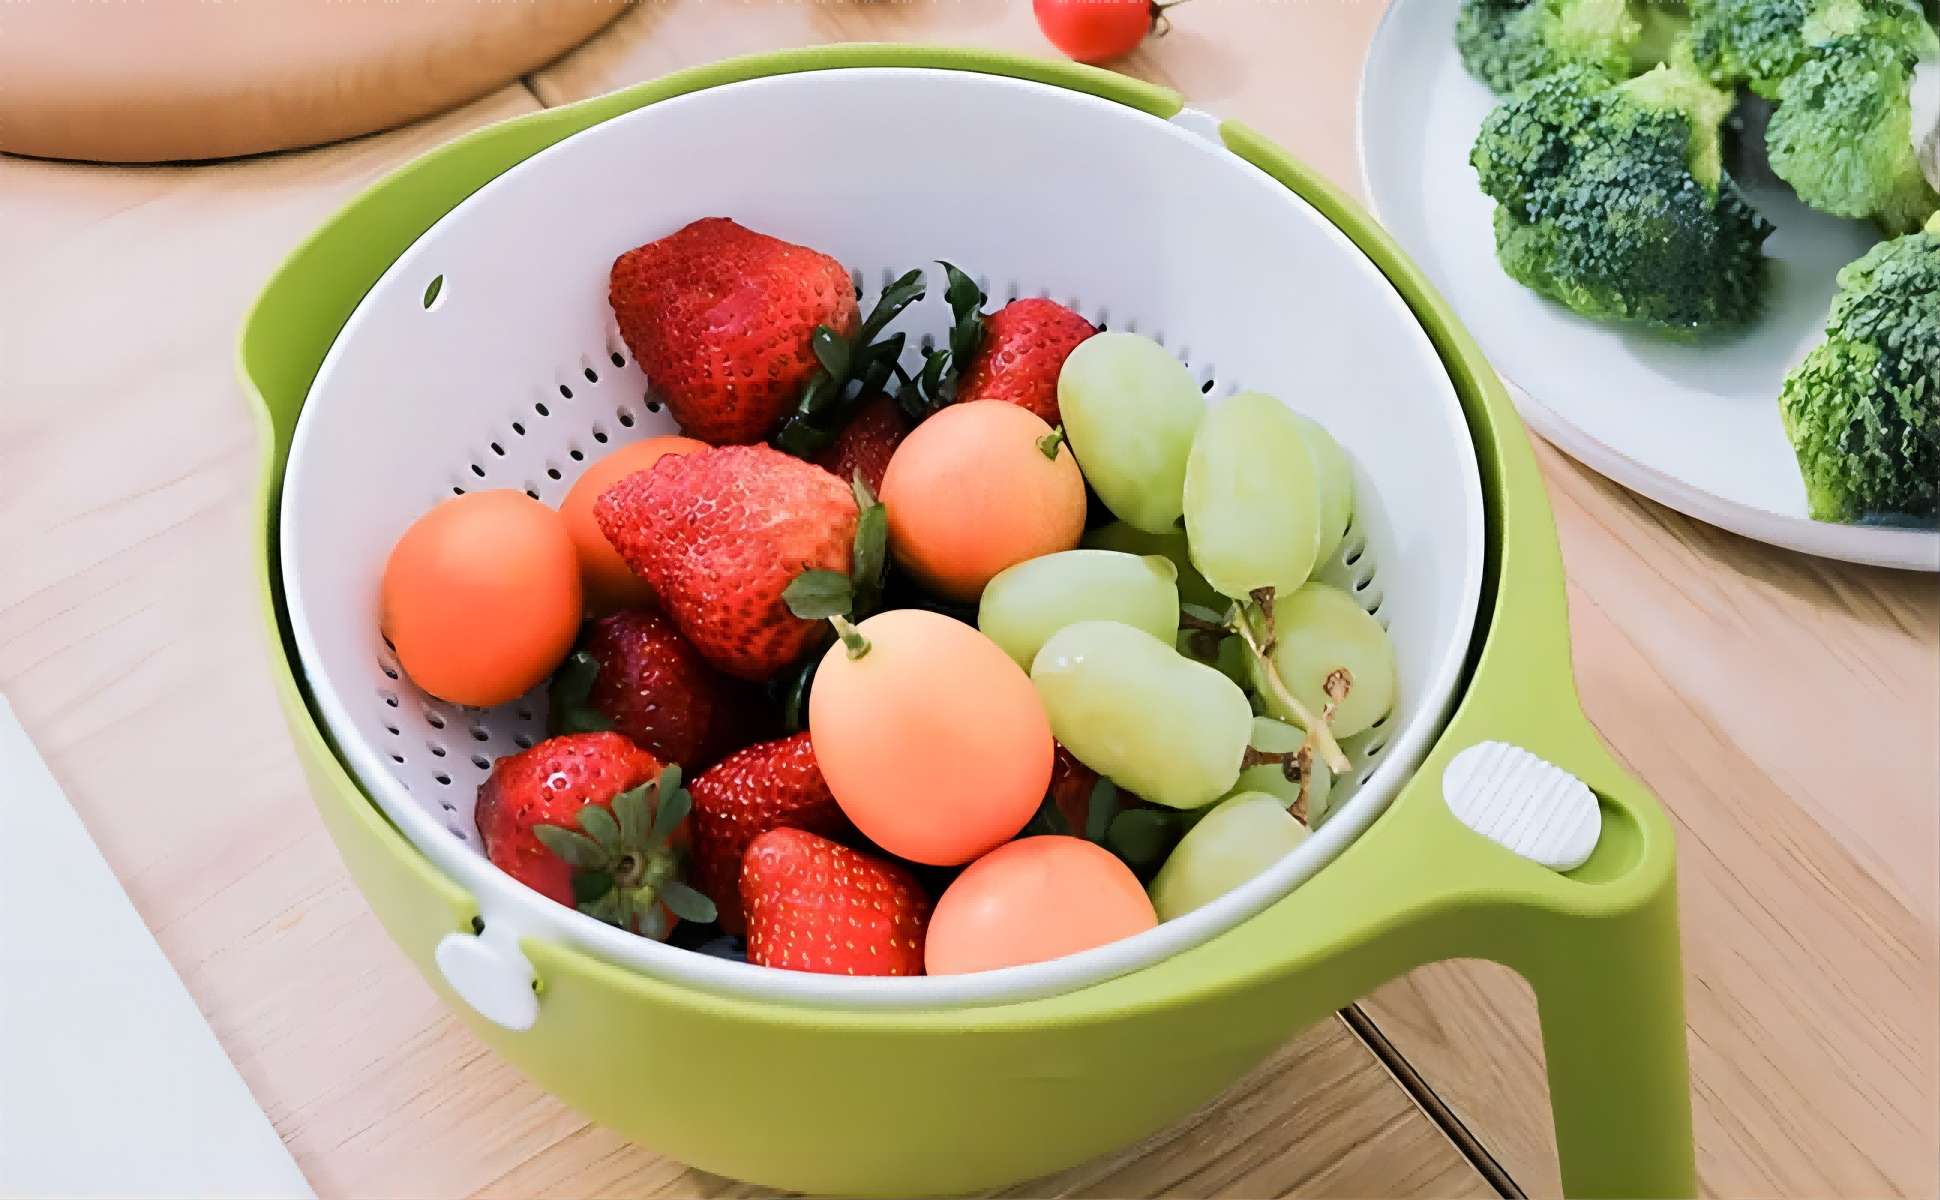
[[486, 357]]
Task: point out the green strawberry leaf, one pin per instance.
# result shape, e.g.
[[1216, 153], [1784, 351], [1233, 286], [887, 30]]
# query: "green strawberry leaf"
[[1140, 835], [606, 908], [634, 814], [601, 827], [831, 351], [818, 595], [1046, 821], [675, 803], [794, 705], [589, 886], [822, 391], [687, 904], [1102, 811], [576, 849], [870, 558], [572, 684], [860, 489], [963, 293], [894, 299]]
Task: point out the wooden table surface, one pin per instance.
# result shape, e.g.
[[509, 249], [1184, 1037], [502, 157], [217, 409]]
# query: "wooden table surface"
[[1785, 709]]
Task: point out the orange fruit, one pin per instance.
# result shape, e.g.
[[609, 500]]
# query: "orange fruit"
[[481, 597], [933, 741], [611, 585], [971, 491], [1033, 900]]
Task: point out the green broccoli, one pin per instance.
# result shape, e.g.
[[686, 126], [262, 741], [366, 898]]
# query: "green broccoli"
[[1507, 43], [1842, 73], [1612, 198], [1863, 409]]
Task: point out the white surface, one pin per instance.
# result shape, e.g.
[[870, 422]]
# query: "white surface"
[[111, 1083], [1696, 428], [1519, 801], [1152, 227]]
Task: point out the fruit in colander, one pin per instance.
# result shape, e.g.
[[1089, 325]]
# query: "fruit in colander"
[[1334, 658], [1025, 604], [815, 906], [1237, 840], [1252, 507], [609, 584], [481, 597], [1032, 900], [1023, 348], [1130, 409]]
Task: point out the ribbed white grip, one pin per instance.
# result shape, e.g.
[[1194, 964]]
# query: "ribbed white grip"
[[1517, 800]]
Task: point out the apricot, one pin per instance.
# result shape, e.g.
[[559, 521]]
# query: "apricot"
[[609, 584], [930, 737], [1031, 901], [481, 597], [972, 491]]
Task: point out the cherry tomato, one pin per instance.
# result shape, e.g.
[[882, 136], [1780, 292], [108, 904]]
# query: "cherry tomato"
[[1033, 900], [1096, 31], [610, 584], [933, 741], [481, 597]]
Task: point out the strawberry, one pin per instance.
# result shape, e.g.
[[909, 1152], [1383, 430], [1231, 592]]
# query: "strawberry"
[[634, 674], [769, 786], [721, 317], [595, 823], [1024, 347], [815, 906], [1072, 784], [866, 442], [722, 534]]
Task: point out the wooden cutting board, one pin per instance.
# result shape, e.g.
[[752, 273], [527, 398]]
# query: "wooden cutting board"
[[165, 80]]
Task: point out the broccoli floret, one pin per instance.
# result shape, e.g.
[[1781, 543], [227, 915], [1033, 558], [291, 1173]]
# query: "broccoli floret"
[[1842, 134], [1863, 409], [1758, 43], [1612, 198], [1507, 43]]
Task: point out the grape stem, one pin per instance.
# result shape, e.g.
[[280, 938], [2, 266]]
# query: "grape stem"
[[1317, 731]]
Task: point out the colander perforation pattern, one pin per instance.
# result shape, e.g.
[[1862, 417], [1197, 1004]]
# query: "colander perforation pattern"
[[514, 376]]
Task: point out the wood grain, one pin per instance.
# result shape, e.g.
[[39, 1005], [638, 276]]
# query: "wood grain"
[[130, 649]]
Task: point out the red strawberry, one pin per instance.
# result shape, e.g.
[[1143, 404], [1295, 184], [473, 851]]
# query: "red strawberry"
[[815, 906], [866, 442], [653, 687], [770, 786], [720, 317], [1024, 347], [720, 534], [579, 819], [1071, 786]]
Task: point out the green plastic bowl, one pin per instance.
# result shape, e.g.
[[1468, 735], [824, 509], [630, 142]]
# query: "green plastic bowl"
[[959, 1099]]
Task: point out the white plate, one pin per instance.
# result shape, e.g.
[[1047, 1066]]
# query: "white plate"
[[1694, 428]]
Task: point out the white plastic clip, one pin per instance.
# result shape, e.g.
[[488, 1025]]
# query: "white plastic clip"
[[490, 973], [1200, 122], [1518, 801]]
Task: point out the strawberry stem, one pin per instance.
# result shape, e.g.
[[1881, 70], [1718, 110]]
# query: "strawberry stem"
[[851, 637]]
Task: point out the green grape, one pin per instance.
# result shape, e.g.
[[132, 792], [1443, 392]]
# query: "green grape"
[[1335, 479], [1193, 588], [1129, 411], [1236, 841], [1251, 504], [1277, 737], [1024, 605], [1134, 710], [1319, 630]]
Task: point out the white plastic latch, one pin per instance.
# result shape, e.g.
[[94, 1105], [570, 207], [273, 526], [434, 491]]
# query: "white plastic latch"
[[1521, 802], [1199, 122], [490, 973]]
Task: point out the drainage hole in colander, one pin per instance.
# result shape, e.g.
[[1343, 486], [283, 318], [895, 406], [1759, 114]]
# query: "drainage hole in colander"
[[389, 699], [552, 472], [433, 719], [432, 291], [590, 377], [523, 741], [543, 411], [448, 806], [478, 734], [563, 391], [436, 749], [599, 435], [617, 360], [478, 470], [532, 492], [855, 281], [1375, 747], [481, 762], [518, 429], [392, 729], [457, 491], [576, 454], [390, 672], [397, 758], [625, 415], [653, 406], [498, 450], [1205, 389], [443, 778], [926, 344], [1355, 549]]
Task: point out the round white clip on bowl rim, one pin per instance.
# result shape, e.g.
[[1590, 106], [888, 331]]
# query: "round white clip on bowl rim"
[[490, 973]]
